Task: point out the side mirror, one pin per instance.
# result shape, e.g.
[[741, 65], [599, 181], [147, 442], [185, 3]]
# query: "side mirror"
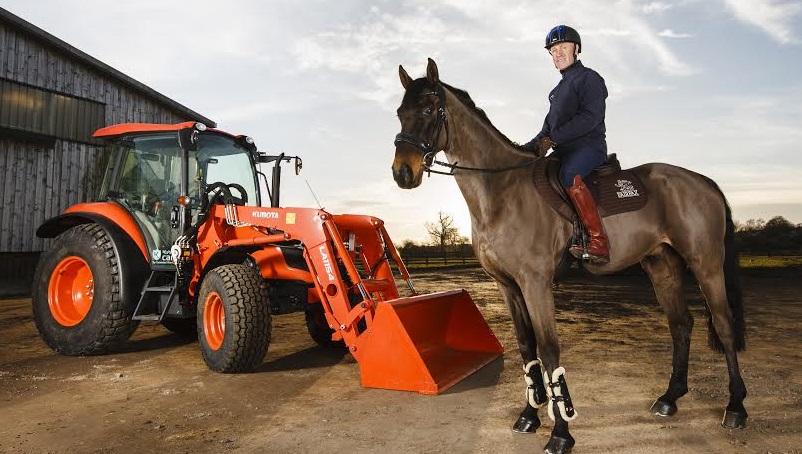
[[299, 164]]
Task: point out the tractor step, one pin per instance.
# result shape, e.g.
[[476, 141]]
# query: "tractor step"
[[148, 308]]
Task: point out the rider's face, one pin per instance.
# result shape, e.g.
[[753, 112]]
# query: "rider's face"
[[563, 55]]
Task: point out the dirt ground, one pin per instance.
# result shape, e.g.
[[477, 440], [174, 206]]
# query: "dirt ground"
[[158, 396]]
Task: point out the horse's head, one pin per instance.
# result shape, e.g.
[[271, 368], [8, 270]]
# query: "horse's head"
[[422, 116]]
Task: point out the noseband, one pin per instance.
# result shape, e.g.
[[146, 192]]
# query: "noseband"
[[427, 148]]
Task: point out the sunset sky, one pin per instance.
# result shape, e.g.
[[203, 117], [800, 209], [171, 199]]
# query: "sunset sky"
[[714, 86]]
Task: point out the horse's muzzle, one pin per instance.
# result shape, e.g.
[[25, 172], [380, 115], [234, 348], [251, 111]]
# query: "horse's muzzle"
[[404, 177]]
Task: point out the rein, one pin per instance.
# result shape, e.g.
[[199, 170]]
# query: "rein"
[[427, 148], [427, 164]]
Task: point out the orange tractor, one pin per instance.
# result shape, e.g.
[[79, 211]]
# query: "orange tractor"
[[181, 237]]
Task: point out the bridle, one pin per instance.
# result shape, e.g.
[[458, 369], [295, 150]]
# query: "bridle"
[[427, 147]]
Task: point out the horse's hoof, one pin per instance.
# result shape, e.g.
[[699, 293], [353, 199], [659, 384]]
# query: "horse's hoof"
[[734, 420], [526, 425], [559, 445], [663, 408]]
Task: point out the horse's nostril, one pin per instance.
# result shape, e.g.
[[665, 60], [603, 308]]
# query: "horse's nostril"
[[406, 174]]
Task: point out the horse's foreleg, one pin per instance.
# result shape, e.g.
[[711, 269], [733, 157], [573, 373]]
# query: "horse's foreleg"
[[665, 271], [527, 421], [540, 306]]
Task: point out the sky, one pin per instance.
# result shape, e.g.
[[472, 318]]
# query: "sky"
[[714, 86]]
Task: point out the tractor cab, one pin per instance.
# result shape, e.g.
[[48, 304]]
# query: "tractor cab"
[[162, 177]]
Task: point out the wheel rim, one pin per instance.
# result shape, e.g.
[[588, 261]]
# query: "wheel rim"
[[71, 291], [214, 321]]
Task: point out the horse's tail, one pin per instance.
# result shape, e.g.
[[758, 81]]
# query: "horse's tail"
[[732, 284]]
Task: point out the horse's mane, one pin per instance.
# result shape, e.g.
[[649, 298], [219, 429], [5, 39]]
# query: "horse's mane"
[[465, 98]]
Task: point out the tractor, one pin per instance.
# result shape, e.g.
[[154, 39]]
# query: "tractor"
[[180, 236]]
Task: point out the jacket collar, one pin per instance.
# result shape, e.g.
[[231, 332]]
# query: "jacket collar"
[[574, 66]]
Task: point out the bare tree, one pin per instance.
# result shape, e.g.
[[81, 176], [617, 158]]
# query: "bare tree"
[[443, 233]]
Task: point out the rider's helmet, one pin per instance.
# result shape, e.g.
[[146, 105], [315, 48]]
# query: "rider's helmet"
[[563, 34]]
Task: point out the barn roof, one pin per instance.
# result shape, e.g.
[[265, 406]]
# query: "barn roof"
[[61, 46]]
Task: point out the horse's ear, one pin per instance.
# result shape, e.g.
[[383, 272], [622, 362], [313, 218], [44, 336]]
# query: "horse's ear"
[[405, 79], [431, 73]]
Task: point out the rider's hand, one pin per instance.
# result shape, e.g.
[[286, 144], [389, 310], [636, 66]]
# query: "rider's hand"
[[544, 145]]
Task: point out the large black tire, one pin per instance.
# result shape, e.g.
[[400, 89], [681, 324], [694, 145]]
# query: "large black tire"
[[234, 319], [319, 329], [76, 297]]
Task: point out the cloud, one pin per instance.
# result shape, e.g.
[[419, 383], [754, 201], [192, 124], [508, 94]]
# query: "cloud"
[[774, 17], [668, 33], [655, 7]]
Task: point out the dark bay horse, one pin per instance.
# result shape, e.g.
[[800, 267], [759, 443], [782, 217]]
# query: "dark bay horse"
[[520, 240]]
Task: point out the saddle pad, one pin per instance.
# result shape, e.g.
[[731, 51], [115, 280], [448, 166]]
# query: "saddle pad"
[[615, 191], [618, 192]]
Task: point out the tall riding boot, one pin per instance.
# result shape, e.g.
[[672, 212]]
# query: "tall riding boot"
[[586, 208]]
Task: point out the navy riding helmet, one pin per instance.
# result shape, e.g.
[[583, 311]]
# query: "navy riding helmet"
[[563, 34]]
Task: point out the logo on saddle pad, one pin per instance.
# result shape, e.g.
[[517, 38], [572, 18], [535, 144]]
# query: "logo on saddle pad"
[[626, 189]]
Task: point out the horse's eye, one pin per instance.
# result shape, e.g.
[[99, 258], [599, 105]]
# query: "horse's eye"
[[427, 111]]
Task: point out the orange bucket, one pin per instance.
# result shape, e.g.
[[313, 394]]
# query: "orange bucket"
[[425, 343]]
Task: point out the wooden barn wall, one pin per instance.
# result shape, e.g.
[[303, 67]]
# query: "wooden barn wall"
[[38, 181]]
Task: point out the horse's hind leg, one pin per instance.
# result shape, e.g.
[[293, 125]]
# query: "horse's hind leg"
[[665, 271], [712, 283], [527, 421]]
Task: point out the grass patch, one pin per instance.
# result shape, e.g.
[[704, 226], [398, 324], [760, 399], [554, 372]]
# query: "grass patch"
[[770, 261]]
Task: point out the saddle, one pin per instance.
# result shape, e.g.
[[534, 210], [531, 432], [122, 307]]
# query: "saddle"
[[615, 190]]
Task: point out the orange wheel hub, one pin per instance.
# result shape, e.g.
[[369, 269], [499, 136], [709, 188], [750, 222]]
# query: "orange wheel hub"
[[214, 321], [71, 291]]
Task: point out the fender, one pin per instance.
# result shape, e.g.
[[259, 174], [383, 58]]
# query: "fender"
[[125, 235], [104, 213]]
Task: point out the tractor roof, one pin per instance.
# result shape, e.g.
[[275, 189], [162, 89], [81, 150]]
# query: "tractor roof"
[[133, 128]]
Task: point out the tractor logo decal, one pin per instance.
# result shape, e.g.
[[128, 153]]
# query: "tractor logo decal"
[[160, 256], [326, 263], [265, 214]]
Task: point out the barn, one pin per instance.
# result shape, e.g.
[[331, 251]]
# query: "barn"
[[52, 98]]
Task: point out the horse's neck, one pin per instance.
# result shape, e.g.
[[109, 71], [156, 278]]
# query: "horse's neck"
[[475, 143]]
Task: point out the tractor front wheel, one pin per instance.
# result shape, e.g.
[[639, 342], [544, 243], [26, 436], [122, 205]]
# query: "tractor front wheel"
[[234, 319], [319, 329], [76, 298]]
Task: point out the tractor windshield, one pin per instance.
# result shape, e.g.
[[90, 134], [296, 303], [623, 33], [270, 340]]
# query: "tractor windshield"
[[145, 177]]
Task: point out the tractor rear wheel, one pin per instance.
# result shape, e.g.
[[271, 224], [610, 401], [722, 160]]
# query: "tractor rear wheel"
[[234, 319], [318, 327], [76, 298]]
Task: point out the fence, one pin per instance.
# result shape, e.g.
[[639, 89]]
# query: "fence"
[[425, 257]]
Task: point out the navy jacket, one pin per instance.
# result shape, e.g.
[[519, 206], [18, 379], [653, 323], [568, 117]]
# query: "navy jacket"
[[576, 116]]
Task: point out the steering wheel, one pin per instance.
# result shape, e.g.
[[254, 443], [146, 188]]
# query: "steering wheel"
[[222, 193]]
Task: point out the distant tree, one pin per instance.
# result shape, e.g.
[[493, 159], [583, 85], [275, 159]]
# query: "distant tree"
[[775, 236], [443, 233], [750, 225], [407, 244]]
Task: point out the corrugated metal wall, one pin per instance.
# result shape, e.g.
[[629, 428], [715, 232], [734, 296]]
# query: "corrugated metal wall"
[[38, 180]]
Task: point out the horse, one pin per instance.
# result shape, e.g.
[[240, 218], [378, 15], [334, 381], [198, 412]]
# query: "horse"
[[520, 241]]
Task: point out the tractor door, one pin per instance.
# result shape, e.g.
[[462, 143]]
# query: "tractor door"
[[147, 183]]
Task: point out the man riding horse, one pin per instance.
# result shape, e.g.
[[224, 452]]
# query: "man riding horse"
[[574, 128]]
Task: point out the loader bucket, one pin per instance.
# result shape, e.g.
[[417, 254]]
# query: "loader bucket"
[[425, 343]]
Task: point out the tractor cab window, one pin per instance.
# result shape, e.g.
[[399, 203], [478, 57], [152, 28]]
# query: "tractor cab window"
[[220, 159]]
